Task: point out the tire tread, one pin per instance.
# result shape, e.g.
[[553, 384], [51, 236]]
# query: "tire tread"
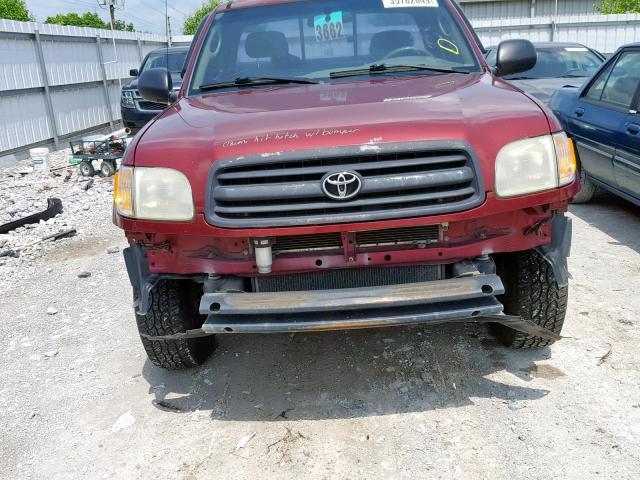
[[532, 294], [168, 315]]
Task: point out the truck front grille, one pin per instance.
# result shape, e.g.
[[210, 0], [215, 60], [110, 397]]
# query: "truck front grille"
[[398, 181], [302, 243], [348, 278], [155, 106], [421, 235]]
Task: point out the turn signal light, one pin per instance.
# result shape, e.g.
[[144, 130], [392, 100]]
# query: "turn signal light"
[[123, 191], [566, 155]]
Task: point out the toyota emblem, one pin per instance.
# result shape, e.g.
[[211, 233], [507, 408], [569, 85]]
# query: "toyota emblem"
[[341, 185]]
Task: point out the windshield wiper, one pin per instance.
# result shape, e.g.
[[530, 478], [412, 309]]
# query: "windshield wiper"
[[382, 68], [249, 81], [572, 75]]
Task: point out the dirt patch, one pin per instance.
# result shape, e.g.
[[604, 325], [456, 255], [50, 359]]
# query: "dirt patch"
[[80, 248], [548, 372]]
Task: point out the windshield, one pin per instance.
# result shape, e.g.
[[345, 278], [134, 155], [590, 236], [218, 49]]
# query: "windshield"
[[561, 62], [159, 60], [312, 40]]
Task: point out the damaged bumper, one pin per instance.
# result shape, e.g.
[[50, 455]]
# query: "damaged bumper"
[[465, 298], [459, 300], [439, 301]]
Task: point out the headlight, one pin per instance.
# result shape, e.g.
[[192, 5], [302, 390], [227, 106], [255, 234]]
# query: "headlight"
[[153, 194], [127, 99], [534, 165]]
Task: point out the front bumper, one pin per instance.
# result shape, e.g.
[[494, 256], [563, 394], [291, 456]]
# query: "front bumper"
[[133, 118], [466, 299], [457, 299]]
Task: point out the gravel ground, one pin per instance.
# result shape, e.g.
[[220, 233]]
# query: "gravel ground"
[[78, 399], [23, 192]]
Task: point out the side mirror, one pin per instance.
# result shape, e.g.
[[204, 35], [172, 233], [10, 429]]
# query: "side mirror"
[[156, 85], [515, 56], [133, 72]]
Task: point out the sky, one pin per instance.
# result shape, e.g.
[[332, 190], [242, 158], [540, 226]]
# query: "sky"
[[146, 15]]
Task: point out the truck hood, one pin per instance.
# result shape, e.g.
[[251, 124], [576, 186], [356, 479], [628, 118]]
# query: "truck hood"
[[478, 109]]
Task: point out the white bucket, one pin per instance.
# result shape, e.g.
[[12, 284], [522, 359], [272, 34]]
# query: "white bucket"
[[40, 158]]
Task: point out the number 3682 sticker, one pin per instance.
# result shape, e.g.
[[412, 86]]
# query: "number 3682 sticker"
[[409, 3], [328, 27]]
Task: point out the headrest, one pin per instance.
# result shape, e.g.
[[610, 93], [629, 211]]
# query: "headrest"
[[267, 44], [388, 41]]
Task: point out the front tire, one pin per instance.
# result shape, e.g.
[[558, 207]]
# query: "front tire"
[[531, 292], [587, 188], [174, 309]]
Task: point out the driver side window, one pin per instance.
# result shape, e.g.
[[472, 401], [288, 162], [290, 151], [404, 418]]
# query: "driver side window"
[[617, 84]]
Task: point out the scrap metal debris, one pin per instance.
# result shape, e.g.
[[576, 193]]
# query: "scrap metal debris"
[[54, 207], [56, 236]]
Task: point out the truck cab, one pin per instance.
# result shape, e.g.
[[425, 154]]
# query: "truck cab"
[[344, 164]]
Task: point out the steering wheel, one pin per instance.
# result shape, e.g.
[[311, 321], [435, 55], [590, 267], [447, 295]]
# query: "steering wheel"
[[404, 51]]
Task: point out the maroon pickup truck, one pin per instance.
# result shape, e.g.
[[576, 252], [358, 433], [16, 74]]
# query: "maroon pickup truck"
[[344, 164]]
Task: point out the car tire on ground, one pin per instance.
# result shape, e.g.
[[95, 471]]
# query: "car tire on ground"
[[531, 292], [107, 168], [86, 169], [587, 188], [174, 309]]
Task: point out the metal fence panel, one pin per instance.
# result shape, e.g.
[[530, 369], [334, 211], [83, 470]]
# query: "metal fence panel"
[[604, 33], [70, 60], [18, 63], [78, 107], [502, 10], [23, 120], [52, 82], [544, 8], [482, 9]]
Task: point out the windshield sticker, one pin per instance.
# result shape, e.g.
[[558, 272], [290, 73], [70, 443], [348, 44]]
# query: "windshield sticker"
[[409, 3], [448, 46], [328, 27], [577, 49]]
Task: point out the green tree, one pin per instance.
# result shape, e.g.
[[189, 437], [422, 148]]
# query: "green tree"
[[127, 27], [15, 10], [192, 21], [618, 6], [87, 19]]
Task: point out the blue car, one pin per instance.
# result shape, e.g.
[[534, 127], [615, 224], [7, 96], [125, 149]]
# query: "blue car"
[[602, 117]]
